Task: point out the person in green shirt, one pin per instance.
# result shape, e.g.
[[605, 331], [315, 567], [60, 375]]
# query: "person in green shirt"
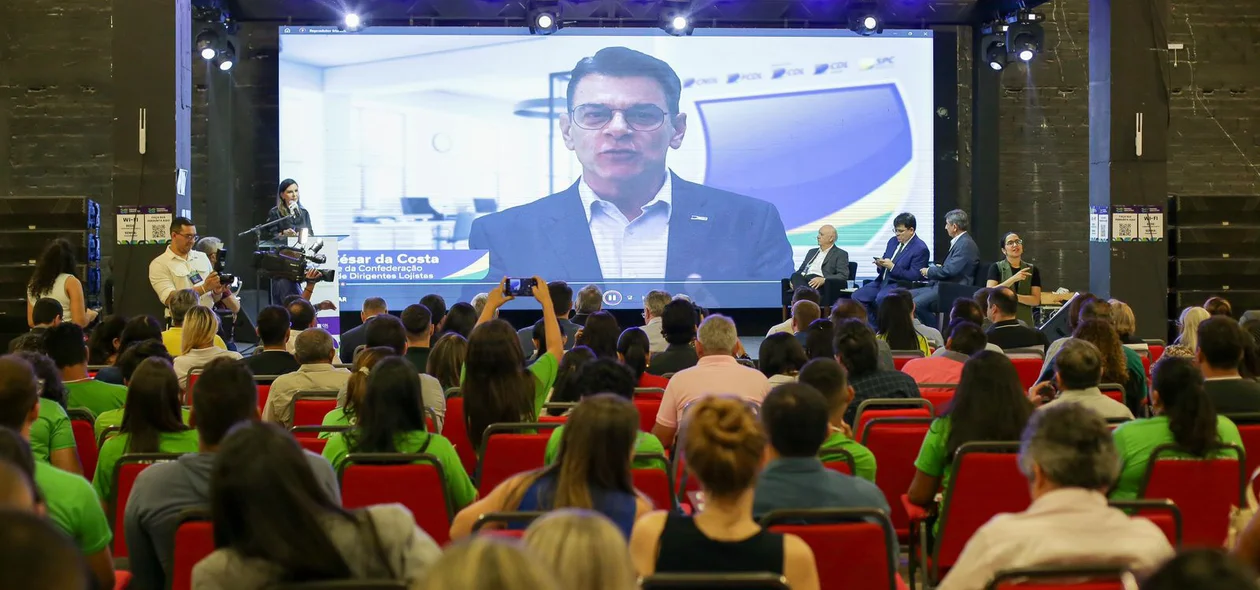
[[391, 420], [829, 378], [52, 436], [67, 349], [989, 405], [356, 387], [607, 375], [1184, 417], [496, 387], [69, 500], [152, 423], [127, 364]]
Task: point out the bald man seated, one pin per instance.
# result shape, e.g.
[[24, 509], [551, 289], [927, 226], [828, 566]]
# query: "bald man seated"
[[825, 262]]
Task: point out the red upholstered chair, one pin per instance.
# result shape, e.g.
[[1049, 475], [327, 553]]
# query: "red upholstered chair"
[[125, 471], [938, 394], [316, 431], [1029, 370], [648, 408], [122, 579], [656, 393], [82, 425], [986, 481], [505, 524], [1157, 350], [455, 429], [544, 416], [1114, 391], [264, 389], [1249, 429], [1204, 490], [192, 380], [510, 448], [895, 442], [194, 540], [901, 357], [414, 480], [310, 407], [656, 484], [852, 546], [760, 581], [838, 460], [1163, 513], [871, 409], [1060, 578]]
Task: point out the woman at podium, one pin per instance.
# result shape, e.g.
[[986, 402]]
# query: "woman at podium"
[[295, 221]]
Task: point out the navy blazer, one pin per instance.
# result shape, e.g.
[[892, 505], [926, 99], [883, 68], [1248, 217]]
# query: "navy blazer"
[[908, 266], [960, 263], [712, 233]]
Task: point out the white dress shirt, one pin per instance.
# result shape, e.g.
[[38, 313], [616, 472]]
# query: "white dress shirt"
[[1068, 526], [954, 240], [629, 249], [656, 340], [815, 265], [171, 272]]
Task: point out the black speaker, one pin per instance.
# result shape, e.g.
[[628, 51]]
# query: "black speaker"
[[1057, 326]]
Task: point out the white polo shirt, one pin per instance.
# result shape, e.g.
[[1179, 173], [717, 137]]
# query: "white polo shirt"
[[170, 272]]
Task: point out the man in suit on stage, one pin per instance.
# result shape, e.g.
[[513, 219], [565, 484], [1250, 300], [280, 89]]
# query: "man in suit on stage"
[[959, 267], [905, 257], [822, 263], [629, 216]]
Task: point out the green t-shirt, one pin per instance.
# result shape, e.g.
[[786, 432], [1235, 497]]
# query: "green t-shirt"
[[544, 371], [863, 458], [336, 417], [114, 448], [51, 431], [458, 486], [1137, 438], [97, 397], [74, 507], [647, 444], [933, 460], [115, 417]]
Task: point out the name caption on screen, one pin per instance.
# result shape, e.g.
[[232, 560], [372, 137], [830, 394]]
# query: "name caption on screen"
[[387, 259]]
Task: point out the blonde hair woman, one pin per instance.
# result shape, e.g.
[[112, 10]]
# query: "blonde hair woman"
[[488, 563], [197, 345], [583, 548], [1188, 341], [1126, 324]]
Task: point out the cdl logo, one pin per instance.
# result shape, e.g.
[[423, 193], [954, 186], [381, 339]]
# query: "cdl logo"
[[689, 82], [733, 78], [835, 66], [781, 72]]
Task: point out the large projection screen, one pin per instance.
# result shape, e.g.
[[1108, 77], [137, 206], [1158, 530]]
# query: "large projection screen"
[[452, 157]]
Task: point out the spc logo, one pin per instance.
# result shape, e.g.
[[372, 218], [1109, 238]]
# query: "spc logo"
[[733, 78], [781, 72], [835, 66], [871, 63], [689, 82]]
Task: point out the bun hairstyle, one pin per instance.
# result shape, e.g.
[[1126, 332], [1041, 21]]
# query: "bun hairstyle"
[[723, 444]]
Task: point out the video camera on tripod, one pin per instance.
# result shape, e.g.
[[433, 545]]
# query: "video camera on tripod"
[[293, 264]]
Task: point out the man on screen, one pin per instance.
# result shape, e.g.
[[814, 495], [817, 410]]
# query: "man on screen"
[[629, 216]]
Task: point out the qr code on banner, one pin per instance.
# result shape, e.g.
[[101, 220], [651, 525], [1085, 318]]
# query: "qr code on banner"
[[1126, 229], [156, 233]]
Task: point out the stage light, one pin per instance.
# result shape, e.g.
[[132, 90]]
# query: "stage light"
[[1024, 35], [677, 23], [353, 22], [206, 42], [544, 21], [226, 58], [864, 19], [997, 56]]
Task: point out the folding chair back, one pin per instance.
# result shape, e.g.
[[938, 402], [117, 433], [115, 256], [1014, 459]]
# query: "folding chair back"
[[455, 429], [900, 359], [303, 433], [938, 394], [310, 407], [1249, 430], [1157, 350], [1204, 489], [1060, 578], [264, 392], [656, 393], [854, 545], [656, 484], [1114, 391], [986, 481], [762, 581], [890, 408], [648, 409], [895, 442], [1028, 352], [1162, 513], [546, 416], [838, 460], [82, 425], [1029, 370], [126, 470], [194, 540], [414, 480], [192, 380], [505, 524], [508, 449]]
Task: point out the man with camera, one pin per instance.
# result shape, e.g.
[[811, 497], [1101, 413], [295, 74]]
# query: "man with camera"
[[182, 267]]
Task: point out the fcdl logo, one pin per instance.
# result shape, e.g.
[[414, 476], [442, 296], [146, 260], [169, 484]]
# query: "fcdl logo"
[[835, 66]]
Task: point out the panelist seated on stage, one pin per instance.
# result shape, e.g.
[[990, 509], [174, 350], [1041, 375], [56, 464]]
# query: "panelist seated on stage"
[[824, 263], [959, 267], [629, 216], [904, 258]]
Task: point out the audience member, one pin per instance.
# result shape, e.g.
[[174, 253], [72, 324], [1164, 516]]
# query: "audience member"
[[1221, 348], [386, 330], [583, 548], [1251, 357], [273, 522], [848, 309], [1121, 365], [347, 411], [480, 562], [818, 340], [417, 324], [151, 423], [780, 358], [51, 436], [104, 339], [65, 347], [678, 324], [989, 405], [355, 337], [127, 365], [562, 302], [1085, 306], [1183, 416], [634, 349], [28, 342], [437, 311], [181, 301], [653, 306], [1078, 370], [446, 359], [966, 310], [301, 317], [461, 318], [801, 293], [965, 339], [589, 300], [804, 313], [17, 474], [45, 313], [1187, 340], [479, 302], [36, 556], [1007, 331], [1125, 323], [981, 299], [223, 396], [795, 419], [497, 386], [141, 328], [601, 376], [390, 419], [1202, 569], [723, 446], [1067, 454], [1218, 306], [71, 503], [895, 321], [591, 471], [273, 336], [315, 352], [565, 390], [717, 371], [832, 381], [54, 278], [856, 349], [197, 343], [600, 334]]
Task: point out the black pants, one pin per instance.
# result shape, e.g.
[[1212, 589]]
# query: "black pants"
[[800, 280], [281, 288]]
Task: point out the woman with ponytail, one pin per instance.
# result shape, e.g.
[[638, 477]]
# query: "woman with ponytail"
[[632, 349], [723, 445], [1184, 416]]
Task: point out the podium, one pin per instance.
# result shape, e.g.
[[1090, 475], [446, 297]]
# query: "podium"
[[324, 290]]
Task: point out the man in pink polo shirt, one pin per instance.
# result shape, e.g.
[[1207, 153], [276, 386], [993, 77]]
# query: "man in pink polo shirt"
[[717, 373], [965, 339]]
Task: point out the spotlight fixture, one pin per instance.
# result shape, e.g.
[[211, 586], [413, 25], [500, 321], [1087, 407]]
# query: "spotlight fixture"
[[864, 19], [207, 40], [676, 23], [226, 58], [353, 22], [544, 20], [1024, 35], [993, 48]]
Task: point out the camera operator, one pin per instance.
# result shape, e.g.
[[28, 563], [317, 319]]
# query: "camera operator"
[[228, 306], [182, 267]]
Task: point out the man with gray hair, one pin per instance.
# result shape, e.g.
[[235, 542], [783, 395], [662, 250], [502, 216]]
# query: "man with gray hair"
[[315, 351], [1077, 372], [959, 267], [182, 301], [653, 307], [716, 373], [1070, 460], [589, 300]]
